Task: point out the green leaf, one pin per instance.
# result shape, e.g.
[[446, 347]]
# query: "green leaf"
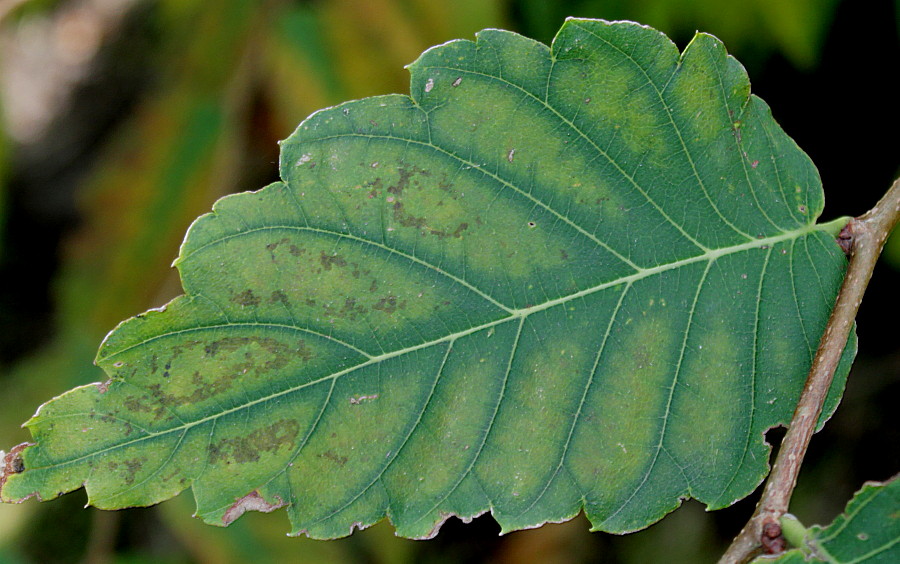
[[868, 531], [584, 277]]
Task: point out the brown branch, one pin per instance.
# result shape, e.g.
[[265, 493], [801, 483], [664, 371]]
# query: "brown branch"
[[866, 236]]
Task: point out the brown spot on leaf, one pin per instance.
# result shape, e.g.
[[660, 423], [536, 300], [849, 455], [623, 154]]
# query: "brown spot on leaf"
[[12, 463], [390, 304], [246, 298], [375, 188], [278, 297], [406, 219], [350, 310], [250, 502], [247, 355], [330, 455], [136, 404], [248, 448], [272, 246], [357, 271], [406, 173], [127, 469], [327, 261]]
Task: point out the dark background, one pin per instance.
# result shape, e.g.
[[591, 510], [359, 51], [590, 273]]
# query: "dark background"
[[153, 109]]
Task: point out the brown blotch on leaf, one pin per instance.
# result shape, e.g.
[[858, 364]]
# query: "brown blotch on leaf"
[[248, 448], [406, 219], [350, 310], [327, 261], [250, 502], [357, 271], [330, 455], [278, 297], [127, 469], [390, 304], [136, 404], [236, 357], [406, 173], [293, 249], [246, 298], [12, 463], [272, 246], [375, 188]]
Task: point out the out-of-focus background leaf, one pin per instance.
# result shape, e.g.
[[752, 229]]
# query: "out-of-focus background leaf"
[[123, 120], [794, 29]]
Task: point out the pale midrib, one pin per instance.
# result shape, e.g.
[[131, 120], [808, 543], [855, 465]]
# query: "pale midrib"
[[514, 314]]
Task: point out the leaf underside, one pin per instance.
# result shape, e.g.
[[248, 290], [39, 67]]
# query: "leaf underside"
[[583, 277], [867, 532]]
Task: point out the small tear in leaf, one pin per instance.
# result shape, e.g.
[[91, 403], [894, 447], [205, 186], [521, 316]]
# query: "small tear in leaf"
[[11, 462], [250, 502], [356, 400]]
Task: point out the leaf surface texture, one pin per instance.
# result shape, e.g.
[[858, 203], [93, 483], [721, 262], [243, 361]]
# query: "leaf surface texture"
[[553, 279]]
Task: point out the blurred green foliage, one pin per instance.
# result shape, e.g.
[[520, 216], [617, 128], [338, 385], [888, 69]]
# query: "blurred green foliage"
[[753, 28], [4, 157], [227, 80]]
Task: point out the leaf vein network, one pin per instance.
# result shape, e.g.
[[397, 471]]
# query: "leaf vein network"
[[631, 180], [515, 314], [675, 127]]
